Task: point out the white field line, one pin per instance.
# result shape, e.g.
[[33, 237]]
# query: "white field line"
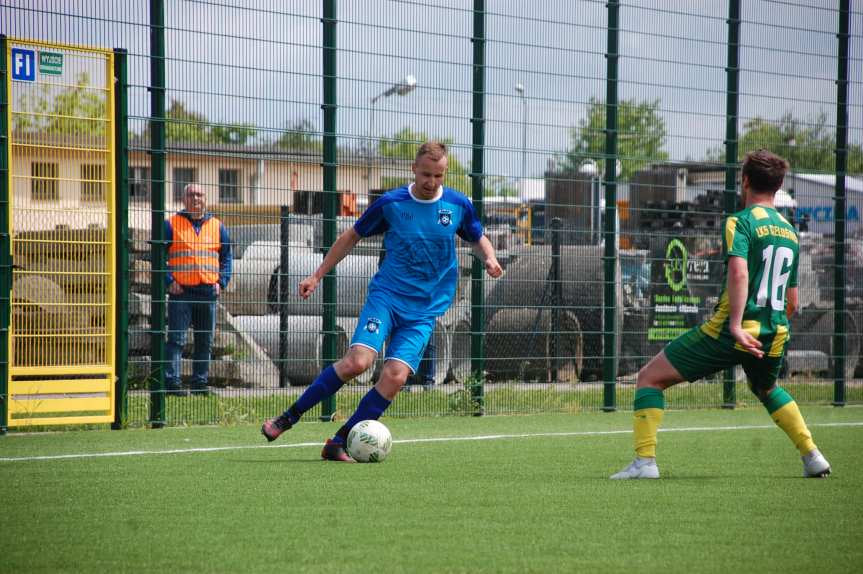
[[404, 441]]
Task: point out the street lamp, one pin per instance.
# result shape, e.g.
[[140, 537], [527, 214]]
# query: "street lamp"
[[595, 172], [401, 88], [519, 88], [591, 169]]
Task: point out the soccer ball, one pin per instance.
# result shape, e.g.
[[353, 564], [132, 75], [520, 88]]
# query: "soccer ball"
[[369, 441]]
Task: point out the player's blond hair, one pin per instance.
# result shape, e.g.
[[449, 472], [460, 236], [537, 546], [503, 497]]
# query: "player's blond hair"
[[432, 148]]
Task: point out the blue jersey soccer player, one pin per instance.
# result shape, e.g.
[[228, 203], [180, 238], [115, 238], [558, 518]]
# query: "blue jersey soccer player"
[[415, 284], [749, 326]]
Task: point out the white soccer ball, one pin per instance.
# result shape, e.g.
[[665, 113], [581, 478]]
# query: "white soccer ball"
[[369, 441]]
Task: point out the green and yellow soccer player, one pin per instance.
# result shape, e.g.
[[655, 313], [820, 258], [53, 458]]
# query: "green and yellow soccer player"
[[749, 326]]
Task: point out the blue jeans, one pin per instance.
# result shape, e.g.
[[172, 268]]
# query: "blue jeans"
[[199, 312], [425, 374]]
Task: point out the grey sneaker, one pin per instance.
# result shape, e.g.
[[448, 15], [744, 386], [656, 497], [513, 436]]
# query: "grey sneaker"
[[815, 465], [638, 468]]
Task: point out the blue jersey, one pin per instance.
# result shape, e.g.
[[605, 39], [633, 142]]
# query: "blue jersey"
[[420, 270]]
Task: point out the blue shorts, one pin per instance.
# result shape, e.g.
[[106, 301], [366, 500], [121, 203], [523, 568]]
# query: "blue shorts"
[[407, 336]]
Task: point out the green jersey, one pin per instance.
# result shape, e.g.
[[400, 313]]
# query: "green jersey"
[[769, 244]]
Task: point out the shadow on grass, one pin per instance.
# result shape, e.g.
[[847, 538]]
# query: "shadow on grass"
[[277, 461]]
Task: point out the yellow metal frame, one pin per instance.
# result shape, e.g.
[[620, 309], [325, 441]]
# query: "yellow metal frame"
[[69, 394], [61, 46]]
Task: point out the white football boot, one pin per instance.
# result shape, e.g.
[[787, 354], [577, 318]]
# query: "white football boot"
[[815, 465], [639, 468]]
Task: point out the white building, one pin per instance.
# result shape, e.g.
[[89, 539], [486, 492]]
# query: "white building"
[[815, 193]]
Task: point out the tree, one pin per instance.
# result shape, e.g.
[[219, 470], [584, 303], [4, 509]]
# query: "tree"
[[640, 136], [807, 145], [236, 134], [185, 126], [72, 111], [500, 185], [301, 135], [404, 144]]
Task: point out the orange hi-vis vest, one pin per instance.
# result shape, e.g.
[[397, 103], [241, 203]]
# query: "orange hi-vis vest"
[[193, 258]]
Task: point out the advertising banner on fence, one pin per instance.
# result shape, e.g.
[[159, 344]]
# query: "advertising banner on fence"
[[685, 277]]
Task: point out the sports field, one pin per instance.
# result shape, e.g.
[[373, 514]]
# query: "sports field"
[[458, 494]]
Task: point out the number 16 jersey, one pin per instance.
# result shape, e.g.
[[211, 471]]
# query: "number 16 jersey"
[[769, 244]]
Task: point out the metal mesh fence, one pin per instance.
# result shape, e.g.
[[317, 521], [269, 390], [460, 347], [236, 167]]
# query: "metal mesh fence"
[[609, 251]]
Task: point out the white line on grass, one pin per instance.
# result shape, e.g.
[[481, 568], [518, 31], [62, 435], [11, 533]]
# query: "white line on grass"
[[403, 441]]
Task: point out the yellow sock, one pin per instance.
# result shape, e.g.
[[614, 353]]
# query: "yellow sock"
[[786, 414], [789, 419], [645, 426], [648, 409]]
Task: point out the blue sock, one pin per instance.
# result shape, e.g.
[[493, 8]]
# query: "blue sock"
[[371, 407], [326, 385]]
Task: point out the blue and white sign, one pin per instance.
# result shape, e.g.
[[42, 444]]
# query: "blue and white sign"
[[23, 64], [824, 213]]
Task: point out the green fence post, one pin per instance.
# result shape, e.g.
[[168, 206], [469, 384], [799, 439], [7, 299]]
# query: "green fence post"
[[477, 295], [556, 299], [157, 209], [284, 293], [331, 195], [121, 223], [609, 327], [732, 97], [839, 223], [5, 242]]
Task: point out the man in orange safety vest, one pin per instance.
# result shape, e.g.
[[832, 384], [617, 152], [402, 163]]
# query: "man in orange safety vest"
[[199, 268]]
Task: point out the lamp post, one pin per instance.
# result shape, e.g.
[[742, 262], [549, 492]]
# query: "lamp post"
[[401, 88], [594, 171], [591, 169], [519, 88]]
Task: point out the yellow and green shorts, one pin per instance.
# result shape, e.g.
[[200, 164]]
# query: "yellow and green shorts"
[[696, 355]]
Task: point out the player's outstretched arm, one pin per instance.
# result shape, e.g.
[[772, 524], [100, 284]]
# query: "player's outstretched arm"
[[343, 245], [738, 290], [485, 251]]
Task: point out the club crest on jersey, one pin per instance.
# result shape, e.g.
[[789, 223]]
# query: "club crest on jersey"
[[444, 217], [373, 325]]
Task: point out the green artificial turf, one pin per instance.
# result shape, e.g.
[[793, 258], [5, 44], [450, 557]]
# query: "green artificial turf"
[[730, 500]]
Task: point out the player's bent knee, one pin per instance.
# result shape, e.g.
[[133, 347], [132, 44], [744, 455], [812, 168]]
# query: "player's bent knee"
[[658, 373], [395, 373], [761, 391], [397, 379], [389, 388], [355, 365]]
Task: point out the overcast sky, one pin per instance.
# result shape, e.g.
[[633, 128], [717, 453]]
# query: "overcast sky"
[[259, 62]]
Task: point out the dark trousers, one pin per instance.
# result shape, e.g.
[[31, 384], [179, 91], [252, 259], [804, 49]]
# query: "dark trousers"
[[199, 312]]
